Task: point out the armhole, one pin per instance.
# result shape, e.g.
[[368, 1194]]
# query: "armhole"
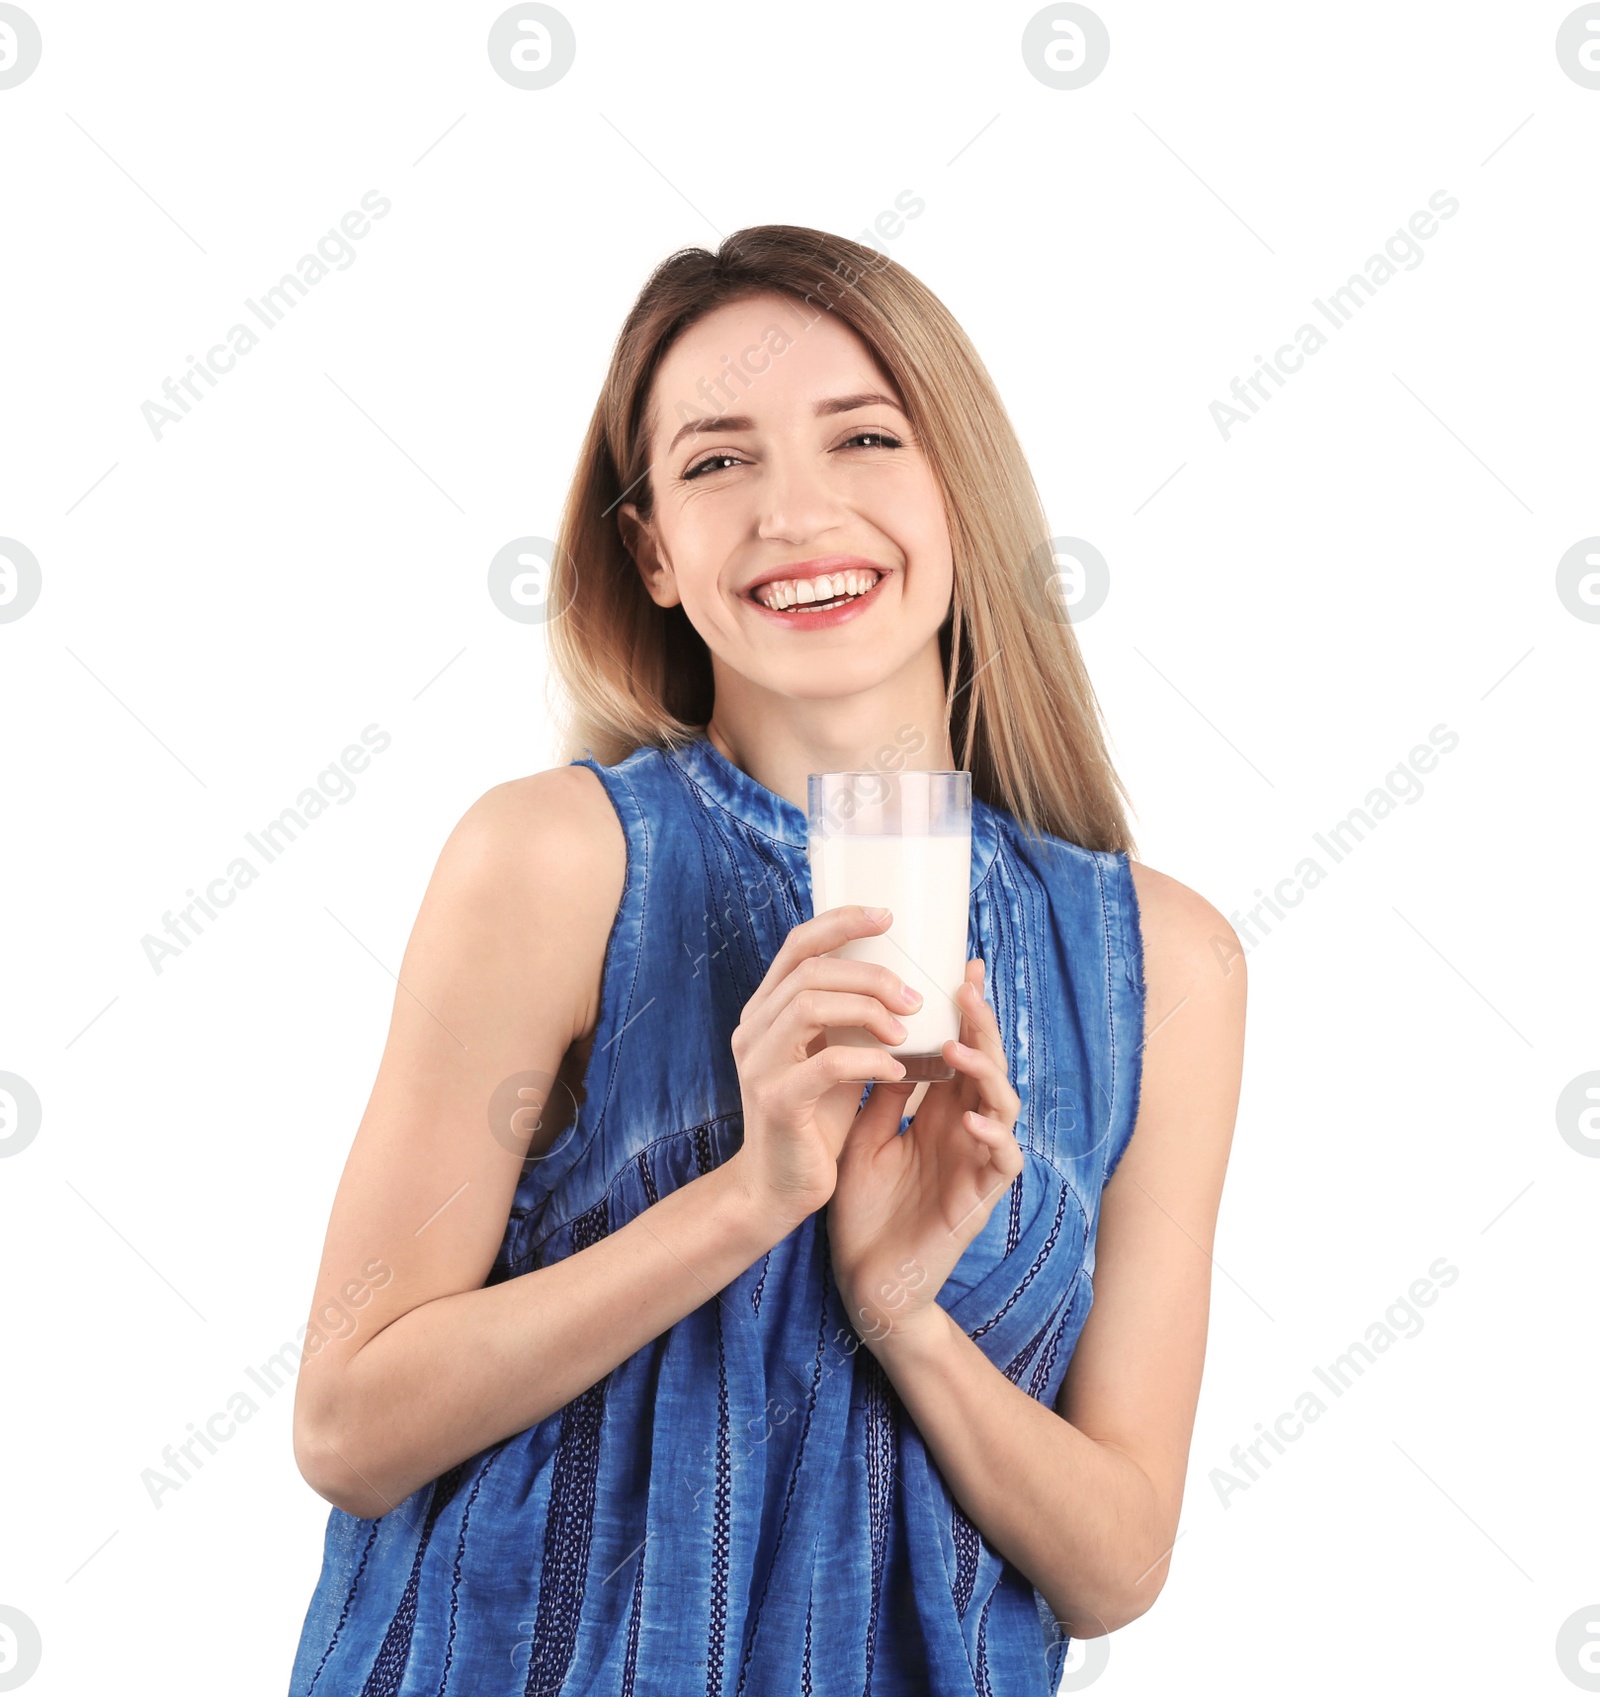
[[1127, 1009], [619, 976]]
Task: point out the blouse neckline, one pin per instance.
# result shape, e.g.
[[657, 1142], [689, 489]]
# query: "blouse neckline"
[[774, 816]]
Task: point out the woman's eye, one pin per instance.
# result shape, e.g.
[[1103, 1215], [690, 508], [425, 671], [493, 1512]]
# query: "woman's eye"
[[881, 437], [710, 463]]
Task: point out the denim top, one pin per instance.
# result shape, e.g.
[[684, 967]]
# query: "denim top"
[[744, 1505]]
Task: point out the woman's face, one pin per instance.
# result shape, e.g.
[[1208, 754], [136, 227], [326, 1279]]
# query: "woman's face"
[[779, 451]]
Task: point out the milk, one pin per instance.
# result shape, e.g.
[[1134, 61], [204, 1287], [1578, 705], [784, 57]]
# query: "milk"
[[925, 882]]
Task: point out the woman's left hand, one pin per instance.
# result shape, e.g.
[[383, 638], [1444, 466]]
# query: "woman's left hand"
[[905, 1208]]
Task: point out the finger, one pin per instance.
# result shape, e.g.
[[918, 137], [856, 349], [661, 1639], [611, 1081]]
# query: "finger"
[[812, 1012], [830, 929], [981, 1030], [819, 973], [879, 1120], [846, 1063], [989, 1074], [963, 1002], [979, 1025], [999, 1140]]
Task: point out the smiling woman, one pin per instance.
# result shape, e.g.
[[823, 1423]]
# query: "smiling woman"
[[701, 1369]]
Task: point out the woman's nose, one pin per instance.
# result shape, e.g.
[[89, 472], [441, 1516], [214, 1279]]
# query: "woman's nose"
[[794, 499]]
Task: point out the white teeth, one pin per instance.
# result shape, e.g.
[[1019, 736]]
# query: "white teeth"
[[801, 592]]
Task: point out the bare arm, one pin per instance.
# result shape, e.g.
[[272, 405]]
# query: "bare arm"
[[1085, 1499], [421, 1365]]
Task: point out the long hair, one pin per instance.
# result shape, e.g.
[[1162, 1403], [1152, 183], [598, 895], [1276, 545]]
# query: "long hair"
[[1022, 715]]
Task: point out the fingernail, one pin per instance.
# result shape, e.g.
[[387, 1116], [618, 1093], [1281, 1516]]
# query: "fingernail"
[[911, 998], [877, 913]]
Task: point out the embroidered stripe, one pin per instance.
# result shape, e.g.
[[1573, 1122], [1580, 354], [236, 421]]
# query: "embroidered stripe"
[[1047, 1361], [633, 1623], [1028, 1277], [984, 1687], [1014, 1224], [569, 1519], [455, 1571], [965, 1535], [344, 1613], [395, 1651], [647, 1179], [1018, 1364], [722, 1519], [880, 1463], [805, 1664], [794, 1475]]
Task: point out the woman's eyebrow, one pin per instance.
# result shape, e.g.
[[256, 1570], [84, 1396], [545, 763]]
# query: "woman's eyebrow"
[[823, 409], [851, 403]]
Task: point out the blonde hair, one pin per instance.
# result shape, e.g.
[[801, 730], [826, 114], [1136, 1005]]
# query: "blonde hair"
[[1022, 715]]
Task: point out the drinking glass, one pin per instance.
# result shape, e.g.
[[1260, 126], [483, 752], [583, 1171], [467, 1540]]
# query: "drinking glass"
[[900, 840]]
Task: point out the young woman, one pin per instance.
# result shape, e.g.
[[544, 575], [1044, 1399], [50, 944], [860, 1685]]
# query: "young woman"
[[687, 1370]]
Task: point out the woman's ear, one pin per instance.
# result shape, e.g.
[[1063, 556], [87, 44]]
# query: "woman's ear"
[[639, 538]]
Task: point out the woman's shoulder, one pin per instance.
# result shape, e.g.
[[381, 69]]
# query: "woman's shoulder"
[[1182, 931], [556, 821], [546, 854], [1191, 958]]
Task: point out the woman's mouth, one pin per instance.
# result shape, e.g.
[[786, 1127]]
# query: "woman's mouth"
[[818, 602]]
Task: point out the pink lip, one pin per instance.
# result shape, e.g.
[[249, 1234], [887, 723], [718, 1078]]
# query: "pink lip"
[[801, 617]]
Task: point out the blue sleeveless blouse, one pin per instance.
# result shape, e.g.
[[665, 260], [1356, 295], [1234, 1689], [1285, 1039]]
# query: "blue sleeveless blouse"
[[744, 1505]]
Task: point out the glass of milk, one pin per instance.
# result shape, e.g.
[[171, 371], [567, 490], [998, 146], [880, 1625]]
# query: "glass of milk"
[[900, 840]]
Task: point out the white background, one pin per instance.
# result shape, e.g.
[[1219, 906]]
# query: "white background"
[[223, 610]]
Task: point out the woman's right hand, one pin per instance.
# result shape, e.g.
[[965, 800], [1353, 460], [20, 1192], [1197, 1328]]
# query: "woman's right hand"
[[801, 1094]]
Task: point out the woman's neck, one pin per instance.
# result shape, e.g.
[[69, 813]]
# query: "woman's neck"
[[780, 753]]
